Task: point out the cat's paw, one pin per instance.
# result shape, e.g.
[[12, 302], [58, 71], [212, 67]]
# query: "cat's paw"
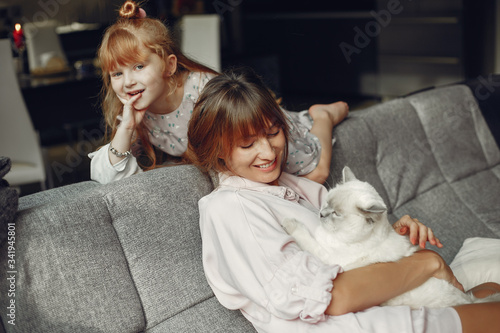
[[290, 225]]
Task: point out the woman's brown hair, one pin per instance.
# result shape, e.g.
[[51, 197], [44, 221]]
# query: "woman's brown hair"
[[124, 43], [233, 105]]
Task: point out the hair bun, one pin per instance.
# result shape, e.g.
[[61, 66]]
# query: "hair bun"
[[129, 10]]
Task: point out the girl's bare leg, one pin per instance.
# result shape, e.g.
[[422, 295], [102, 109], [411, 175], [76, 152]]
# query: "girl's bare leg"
[[325, 117]]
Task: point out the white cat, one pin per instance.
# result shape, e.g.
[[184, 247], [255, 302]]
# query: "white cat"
[[354, 232]]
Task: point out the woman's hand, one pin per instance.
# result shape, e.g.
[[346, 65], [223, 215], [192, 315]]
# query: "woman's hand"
[[441, 269], [418, 232]]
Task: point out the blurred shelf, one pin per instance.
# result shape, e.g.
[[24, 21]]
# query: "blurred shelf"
[[309, 15], [420, 59]]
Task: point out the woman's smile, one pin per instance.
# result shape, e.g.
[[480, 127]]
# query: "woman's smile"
[[268, 165], [259, 157]]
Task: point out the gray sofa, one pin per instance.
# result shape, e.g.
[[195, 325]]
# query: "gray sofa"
[[126, 257]]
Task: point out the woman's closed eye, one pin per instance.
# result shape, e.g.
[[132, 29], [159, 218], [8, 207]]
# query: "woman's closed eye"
[[246, 145], [273, 131]]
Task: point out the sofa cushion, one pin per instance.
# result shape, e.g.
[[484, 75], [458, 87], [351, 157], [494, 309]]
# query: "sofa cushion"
[[430, 155], [155, 215], [456, 133], [207, 316], [451, 220], [70, 272], [385, 146]]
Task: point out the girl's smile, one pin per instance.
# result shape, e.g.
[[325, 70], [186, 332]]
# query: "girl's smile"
[[133, 93], [146, 78]]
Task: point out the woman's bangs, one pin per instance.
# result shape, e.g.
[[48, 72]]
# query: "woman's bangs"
[[254, 121], [122, 48]]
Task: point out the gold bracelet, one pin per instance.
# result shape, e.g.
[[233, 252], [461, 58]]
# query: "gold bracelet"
[[117, 153]]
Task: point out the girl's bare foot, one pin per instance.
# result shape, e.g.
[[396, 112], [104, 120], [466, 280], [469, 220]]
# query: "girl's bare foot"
[[334, 112]]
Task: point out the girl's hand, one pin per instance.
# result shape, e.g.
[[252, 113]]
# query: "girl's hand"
[[418, 232], [131, 116]]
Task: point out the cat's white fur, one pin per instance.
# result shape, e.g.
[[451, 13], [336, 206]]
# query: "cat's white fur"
[[354, 232]]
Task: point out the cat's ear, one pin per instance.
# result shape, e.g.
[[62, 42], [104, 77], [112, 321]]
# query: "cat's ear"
[[372, 206], [373, 212], [347, 175], [374, 209]]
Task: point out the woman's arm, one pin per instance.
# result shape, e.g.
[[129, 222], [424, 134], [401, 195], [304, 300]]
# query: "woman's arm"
[[368, 286]]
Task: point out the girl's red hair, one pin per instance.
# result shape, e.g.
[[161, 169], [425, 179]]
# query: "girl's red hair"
[[125, 42]]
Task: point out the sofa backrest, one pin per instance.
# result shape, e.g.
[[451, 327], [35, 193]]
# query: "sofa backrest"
[[430, 155], [408, 145]]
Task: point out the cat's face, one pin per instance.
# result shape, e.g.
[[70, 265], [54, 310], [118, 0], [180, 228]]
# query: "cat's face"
[[352, 210]]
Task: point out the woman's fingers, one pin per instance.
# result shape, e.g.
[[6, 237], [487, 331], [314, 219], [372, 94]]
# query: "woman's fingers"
[[403, 230], [417, 231], [457, 285], [433, 239]]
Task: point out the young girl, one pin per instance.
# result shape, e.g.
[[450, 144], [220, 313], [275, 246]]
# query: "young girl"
[[150, 89], [253, 265]]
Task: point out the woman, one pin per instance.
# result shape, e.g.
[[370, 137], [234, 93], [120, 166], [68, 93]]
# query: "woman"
[[238, 131]]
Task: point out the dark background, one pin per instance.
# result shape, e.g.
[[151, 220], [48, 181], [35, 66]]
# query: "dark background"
[[294, 45]]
